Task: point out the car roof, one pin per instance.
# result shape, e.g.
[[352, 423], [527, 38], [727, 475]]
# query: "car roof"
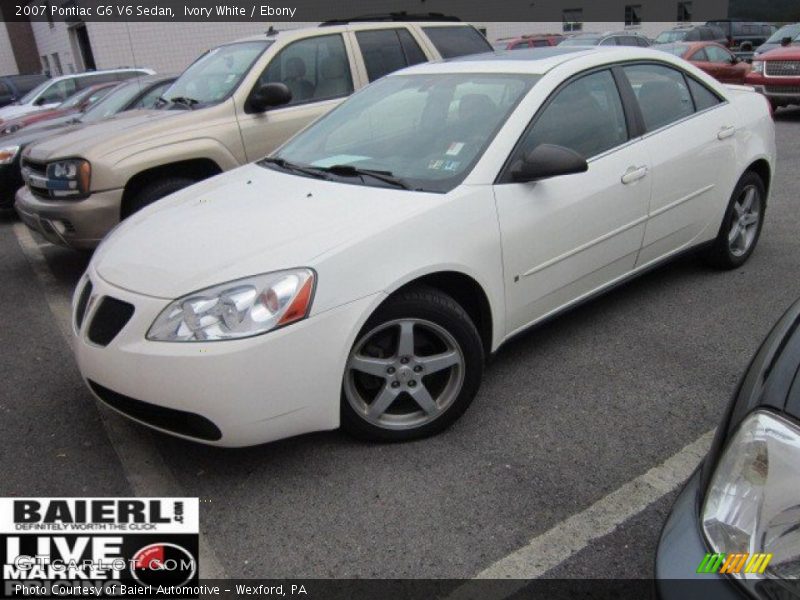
[[535, 61], [100, 72], [281, 34]]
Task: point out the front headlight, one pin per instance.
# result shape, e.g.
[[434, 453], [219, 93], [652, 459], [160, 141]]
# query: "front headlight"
[[69, 177], [237, 309], [9, 129], [757, 67], [8, 154], [752, 507]]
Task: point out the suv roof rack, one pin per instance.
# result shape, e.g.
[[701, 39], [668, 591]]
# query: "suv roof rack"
[[392, 16]]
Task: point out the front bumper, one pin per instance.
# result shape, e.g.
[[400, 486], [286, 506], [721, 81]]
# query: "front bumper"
[[783, 90], [255, 390], [680, 551], [10, 182], [74, 223]]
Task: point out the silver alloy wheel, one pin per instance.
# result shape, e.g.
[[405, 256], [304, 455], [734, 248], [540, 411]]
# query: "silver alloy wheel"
[[411, 387], [746, 217]]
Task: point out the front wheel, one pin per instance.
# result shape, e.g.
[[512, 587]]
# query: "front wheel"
[[413, 370], [741, 226], [153, 191]]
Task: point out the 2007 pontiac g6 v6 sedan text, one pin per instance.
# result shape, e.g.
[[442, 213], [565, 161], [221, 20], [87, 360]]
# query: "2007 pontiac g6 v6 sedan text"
[[360, 275]]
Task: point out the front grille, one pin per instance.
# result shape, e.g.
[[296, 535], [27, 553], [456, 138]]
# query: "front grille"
[[108, 320], [793, 90], [83, 302], [34, 173], [782, 68], [170, 419]]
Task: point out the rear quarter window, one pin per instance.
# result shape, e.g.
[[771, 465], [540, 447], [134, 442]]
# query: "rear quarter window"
[[702, 96], [452, 42]]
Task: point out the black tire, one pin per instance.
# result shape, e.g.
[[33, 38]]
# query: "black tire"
[[423, 305], [154, 191], [720, 254]]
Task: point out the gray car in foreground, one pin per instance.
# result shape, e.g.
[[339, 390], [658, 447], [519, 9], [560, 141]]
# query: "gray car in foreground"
[[734, 531]]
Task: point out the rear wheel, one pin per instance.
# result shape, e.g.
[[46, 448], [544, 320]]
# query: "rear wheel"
[[413, 370], [741, 226], [154, 191]]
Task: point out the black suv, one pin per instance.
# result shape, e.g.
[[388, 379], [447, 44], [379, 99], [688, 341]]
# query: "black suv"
[[744, 36], [692, 33], [14, 87]]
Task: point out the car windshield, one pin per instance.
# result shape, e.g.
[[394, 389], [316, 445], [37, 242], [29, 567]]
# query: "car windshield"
[[665, 37], [215, 75], [581, 41], [425, 131], [30, 96], [676, 49], [790, 31], [114, 102], [74, 100]]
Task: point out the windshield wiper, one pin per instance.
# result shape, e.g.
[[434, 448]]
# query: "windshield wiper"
[[285, 164], [352, 171], [184, 101]]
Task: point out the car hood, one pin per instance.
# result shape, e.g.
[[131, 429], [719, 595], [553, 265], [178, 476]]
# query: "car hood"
[[39, 131], [781, 53], [13, 111], [103, 137], [244, 222]]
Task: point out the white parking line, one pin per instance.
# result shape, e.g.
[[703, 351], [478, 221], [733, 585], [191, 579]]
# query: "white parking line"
[[144, 466], [575, 533]]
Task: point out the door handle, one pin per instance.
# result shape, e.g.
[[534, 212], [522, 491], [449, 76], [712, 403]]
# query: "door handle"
[[726, 132], [633, 174]]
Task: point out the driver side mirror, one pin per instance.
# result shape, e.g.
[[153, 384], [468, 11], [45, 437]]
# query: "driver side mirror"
[[787, 41], [548, 160], [40, 101], [735, 60], [270, 95]]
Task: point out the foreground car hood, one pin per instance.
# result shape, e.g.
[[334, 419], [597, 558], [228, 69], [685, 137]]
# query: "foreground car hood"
[[248, 221]]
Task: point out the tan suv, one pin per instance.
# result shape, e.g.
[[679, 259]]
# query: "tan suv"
[[234, 104]]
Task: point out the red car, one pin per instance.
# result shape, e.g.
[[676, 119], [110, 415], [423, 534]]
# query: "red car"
[[540, 40], [776, 74], [75, 104], [715, 59]]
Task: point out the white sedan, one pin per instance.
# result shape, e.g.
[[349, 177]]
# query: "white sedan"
[[361, 275]]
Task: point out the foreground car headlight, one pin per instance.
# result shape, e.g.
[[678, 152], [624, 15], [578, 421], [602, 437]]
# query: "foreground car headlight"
[[757, 67], [69, 177], [8, 154], [237, 309], [753, 503], [9, 129]]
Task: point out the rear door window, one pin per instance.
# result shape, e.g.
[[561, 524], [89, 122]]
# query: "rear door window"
[[662, 94], [452, 42], [385, 51], [700, 55]]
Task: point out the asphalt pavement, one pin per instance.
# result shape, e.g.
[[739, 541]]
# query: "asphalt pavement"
[[568, 413]]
